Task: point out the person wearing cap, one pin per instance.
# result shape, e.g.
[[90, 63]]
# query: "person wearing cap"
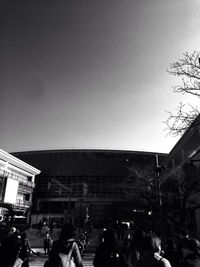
[[191, 253], [64, 245]]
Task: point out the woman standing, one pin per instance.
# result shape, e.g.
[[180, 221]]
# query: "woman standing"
[[64, 246]]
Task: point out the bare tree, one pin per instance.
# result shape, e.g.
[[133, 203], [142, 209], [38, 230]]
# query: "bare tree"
[[188, 69], [178, 191], [144, 182]]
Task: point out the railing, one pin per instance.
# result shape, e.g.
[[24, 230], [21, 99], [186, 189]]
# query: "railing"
[[5, 174], [23, 203]]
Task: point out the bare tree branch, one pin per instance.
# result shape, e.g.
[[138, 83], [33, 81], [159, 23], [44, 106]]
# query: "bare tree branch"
[[179, 122], [188, 68]]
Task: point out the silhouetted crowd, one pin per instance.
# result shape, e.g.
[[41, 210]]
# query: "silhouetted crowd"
[[137, 248], [117, 247], [15, 248]]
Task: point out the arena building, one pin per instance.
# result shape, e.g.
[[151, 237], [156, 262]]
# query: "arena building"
[[87, 185]]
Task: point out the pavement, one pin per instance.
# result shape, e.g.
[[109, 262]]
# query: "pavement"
[[38, 258], [36, 240]]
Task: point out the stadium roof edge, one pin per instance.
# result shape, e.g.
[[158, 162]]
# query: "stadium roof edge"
[[88, 150]]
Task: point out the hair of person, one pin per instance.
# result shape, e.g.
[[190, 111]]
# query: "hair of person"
[[151, 243], [68, 231], [138, 237]]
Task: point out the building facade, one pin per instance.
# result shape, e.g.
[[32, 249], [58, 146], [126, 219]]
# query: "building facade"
[[86, 185], [183, 162], [17, 181]]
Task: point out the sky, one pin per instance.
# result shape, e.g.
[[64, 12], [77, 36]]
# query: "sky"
[[92, 74]]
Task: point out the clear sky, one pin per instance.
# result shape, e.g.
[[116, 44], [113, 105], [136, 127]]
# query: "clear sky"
[[92, 73]]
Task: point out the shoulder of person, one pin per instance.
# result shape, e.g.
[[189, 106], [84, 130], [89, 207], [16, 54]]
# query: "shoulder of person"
[[162, 262], [69, 242]]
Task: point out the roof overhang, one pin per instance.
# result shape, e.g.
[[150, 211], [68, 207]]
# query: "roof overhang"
[[18, 163]]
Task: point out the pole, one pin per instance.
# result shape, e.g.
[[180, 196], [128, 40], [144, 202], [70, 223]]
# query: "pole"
[[159, 197], [69, 209]]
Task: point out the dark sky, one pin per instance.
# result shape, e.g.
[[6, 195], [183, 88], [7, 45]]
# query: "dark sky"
[[91, 74]]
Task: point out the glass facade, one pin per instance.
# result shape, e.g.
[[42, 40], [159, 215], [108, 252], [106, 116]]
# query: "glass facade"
[[93, 185]]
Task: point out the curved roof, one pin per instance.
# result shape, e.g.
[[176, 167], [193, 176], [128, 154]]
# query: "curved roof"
[[83, 162]]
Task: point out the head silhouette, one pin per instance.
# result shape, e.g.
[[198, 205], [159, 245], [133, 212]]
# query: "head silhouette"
[[68, 231]]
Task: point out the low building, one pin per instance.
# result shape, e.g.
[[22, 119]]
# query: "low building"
[[17, 181], [183, 162]]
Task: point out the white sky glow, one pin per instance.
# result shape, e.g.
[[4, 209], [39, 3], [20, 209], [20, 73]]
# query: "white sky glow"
[[92, 74]]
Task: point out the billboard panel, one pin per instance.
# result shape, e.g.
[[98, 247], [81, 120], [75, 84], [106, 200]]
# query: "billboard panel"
[[11, 191]]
